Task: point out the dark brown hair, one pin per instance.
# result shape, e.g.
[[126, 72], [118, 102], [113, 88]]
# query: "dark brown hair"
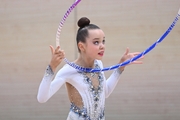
[[84, 26]]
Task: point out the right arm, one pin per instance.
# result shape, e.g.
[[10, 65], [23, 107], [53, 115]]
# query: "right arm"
[[49, 87]]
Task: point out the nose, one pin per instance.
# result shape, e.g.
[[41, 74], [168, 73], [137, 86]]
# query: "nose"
[[102, 46]]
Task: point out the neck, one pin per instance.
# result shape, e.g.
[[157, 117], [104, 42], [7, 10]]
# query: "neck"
[[85, 62]]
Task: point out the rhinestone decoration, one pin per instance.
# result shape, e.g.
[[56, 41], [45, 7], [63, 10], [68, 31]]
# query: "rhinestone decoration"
[[83, 113], [48, 71], [98, 114]]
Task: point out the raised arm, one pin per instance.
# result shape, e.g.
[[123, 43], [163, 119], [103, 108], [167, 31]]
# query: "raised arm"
[[48, 86], [115, 76]]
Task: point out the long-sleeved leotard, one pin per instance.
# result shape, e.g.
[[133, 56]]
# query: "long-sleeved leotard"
[[93, 98]]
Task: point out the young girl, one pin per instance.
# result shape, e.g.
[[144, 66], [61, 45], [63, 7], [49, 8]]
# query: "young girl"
[[86, 91]]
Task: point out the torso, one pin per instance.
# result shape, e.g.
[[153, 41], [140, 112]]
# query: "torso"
[[86, 93]]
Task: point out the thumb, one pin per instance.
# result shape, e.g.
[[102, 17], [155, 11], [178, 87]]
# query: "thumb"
[[127, 51], [52, 49]]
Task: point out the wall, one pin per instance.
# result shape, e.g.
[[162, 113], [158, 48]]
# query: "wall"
[[145, 92]]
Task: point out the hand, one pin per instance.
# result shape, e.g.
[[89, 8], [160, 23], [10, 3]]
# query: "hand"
[[128, 56], [57, 57]]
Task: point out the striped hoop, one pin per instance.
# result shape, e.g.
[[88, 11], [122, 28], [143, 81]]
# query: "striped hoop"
[[117, 65]]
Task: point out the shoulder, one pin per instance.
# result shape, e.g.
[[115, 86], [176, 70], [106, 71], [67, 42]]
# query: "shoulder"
[[66, 70]]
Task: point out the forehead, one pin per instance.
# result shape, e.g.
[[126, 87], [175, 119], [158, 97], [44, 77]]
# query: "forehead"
[[96, 33]]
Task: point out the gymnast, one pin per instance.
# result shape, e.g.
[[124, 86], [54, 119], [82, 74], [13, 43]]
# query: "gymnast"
[[86, 90]]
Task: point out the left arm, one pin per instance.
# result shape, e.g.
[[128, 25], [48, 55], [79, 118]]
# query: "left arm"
[[112, 81], [115, 76]]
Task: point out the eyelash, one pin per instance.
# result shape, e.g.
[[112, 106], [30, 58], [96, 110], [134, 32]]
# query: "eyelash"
[[104, 41], [97, 42]]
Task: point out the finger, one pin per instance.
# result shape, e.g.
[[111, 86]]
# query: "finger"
[[57, 49], [142, 57], [61, 57], [137, 62], [139, 59], [63, 53], [127, 51], [60, 53], [52, 49], [136, 53]]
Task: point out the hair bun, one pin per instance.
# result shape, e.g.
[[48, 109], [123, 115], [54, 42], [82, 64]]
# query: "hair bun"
[[84, 21]]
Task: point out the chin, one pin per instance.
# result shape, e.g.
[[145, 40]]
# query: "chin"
[[99, 58]]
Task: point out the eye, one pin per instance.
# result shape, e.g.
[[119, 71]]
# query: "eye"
[[96, 42], [103, 41]]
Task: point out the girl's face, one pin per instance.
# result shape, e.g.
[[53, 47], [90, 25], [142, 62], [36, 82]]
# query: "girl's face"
[[95, 44]]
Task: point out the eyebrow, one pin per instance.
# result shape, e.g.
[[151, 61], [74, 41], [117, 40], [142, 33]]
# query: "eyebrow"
[[98, 38]]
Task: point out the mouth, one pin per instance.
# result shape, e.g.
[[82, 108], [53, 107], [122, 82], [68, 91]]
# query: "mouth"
[[101, 53]]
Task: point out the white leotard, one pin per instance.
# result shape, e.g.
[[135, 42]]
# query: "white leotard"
[[93, 100]]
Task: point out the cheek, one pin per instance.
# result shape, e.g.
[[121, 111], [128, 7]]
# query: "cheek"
[[92, 49]]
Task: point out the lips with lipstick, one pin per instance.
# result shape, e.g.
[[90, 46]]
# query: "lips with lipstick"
[[101, 53]]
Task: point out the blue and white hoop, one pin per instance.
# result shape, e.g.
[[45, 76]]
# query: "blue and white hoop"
[[117, 65]]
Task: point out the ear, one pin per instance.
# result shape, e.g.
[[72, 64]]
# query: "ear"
[[81, 46]]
